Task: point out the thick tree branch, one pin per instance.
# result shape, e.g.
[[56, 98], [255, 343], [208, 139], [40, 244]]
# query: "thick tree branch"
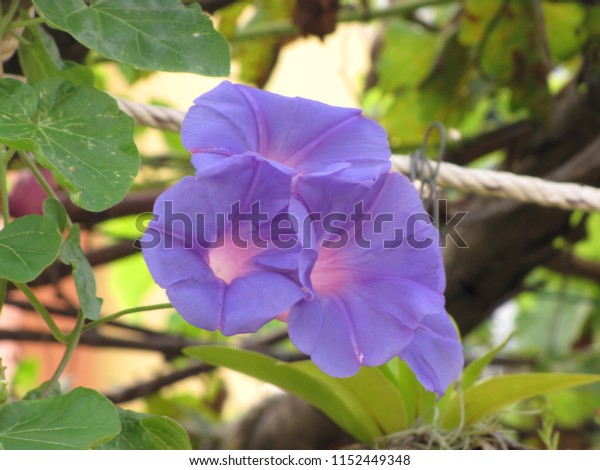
[[565, 263], [507, 239]]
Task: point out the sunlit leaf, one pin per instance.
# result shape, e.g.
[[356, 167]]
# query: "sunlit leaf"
[[563, 28], [343, 407], [494, 394], [378, 395], [407, 55], [472, 372]]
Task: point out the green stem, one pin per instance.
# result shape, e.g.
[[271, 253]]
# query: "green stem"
[[114, 316], [5, 157], [24, 23], [286, 27], [30, 163], [21, 39], [72, 341], [7, 18], [39, 308]]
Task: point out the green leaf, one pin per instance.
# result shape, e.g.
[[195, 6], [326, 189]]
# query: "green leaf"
[[473, 371], [494, 394], [407, 56], [81, 419], [40, 60], [83, 274], [148, 34], [258, 57], [141, 431], [28, 245], [54, 210], [377, 394], [336, 402], [77, 132], [564, 28]]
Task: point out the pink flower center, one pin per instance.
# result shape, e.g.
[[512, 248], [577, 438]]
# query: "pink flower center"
[[230, 261], [329, 273]]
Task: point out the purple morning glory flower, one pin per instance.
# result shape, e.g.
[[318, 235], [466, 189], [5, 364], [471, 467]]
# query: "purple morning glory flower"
[[212, 256], [305, 135], [374, 271], [358, 277]]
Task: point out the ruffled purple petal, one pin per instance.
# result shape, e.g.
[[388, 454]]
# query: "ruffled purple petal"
[[210, 265], [305, 135], [435, 354], [199, 303], [319, 328], [374, 296], [255, 299], [387, 229], [340, 333]]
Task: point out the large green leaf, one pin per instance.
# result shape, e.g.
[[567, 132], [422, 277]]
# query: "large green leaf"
[[342, 406], [83, 274], [27, 246], [146, 432], [77, 132], [376, 393], [494, 394], [148, 34], [40, 60], [81, 419]]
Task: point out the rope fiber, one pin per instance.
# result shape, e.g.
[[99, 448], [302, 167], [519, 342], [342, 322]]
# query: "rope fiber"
[[498, 184]]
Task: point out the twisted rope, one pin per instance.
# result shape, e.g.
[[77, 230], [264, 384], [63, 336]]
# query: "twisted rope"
[[499, 184]]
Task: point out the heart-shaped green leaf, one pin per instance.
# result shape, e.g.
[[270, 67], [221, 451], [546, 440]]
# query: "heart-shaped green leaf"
[[77, 132], [146, 432], [81, 419], [148, 34], [27, 246], [83, 274], [40, 60]]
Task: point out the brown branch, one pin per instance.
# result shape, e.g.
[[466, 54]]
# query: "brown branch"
[[565, 263], [73, 313], [134, 203], [169, 346], [154, 385], [469, 150]]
